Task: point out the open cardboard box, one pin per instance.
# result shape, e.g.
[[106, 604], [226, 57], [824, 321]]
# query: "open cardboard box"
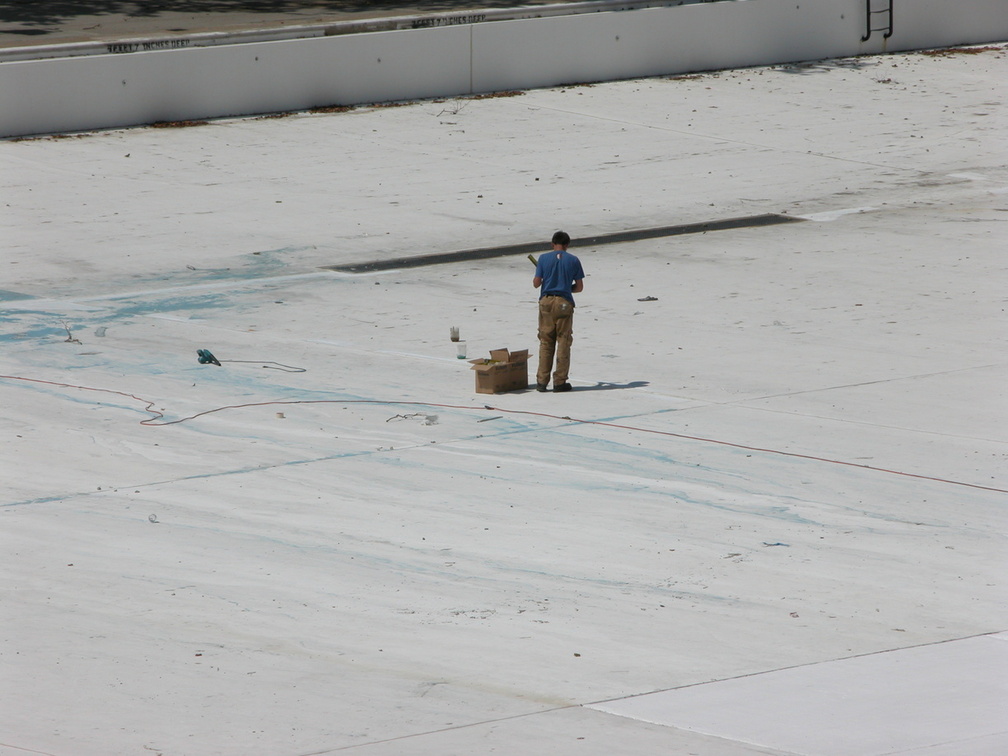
[[504, 371]]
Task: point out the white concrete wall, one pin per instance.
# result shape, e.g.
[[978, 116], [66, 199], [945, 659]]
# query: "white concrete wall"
[[65, 94], [109, 90], [550, 51]]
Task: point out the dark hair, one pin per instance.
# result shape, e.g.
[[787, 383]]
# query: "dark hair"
[[561, 238]]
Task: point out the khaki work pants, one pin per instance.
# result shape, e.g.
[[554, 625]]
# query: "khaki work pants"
[[556, 333]]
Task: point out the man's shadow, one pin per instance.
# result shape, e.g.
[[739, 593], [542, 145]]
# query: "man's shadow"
[[609, 386]]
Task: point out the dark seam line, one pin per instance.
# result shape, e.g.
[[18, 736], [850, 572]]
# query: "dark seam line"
[[619, 237]]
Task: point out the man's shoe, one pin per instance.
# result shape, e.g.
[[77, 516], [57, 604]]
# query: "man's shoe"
[[541, 387], [562, 387]]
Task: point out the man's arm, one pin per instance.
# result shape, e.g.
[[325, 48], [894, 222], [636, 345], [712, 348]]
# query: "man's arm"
[[537, 282], [578, 286]]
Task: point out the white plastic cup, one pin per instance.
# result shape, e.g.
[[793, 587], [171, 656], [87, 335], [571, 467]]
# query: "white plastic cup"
[[460, 350]]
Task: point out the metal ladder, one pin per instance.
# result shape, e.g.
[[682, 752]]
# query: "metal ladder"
[[870, 17]]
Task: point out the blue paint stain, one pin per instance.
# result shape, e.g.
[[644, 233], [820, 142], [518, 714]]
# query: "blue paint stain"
[[45, 324], [32, 323], [127, 309], [252, 266], [37, 333], [13, 296]]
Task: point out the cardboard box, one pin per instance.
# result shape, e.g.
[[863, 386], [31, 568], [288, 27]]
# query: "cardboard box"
[[504, 371]]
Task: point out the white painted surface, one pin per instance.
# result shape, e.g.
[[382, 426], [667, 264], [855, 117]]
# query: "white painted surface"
[[398, 569], [952, 695], [143, 87]]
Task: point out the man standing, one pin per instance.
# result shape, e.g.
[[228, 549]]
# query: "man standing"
[[558, 276]]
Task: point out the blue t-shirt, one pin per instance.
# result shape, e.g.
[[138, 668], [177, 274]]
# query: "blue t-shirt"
[[558, 270]]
